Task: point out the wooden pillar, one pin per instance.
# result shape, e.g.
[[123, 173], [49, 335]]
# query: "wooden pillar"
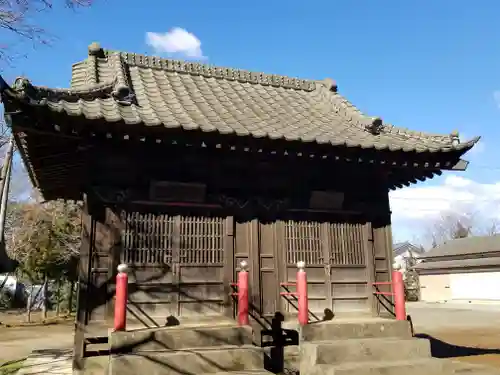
[[382, 244], [254, 271], [370, 266], [105, 257], [113, 227], [229, 266], [84, 270], [99, 257], [242, 252]]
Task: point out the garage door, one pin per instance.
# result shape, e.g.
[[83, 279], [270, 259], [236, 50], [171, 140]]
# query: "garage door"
[[475, 286], [435, 288]]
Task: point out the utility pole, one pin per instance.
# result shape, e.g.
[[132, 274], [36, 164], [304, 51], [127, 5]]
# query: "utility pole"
[[4, 187]]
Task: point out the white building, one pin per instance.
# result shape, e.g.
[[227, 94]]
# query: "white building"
[[465, 269], [9, 284]]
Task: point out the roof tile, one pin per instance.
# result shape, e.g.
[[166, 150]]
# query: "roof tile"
[[189, 95], [466, 246]]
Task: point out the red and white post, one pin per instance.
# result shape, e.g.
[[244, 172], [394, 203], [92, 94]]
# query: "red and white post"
[[243, 319], [399, 294], [121, 298], [302, 294]]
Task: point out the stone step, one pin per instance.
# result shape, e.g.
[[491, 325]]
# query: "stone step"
[[363, 350], [345, 329], [430, 366], [291, 356], [94, 366], [173, 338], [189, 361]]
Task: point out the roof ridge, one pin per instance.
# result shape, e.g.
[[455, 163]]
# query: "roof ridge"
[[22, 88], [372, 124], [394, 129], [388, 127], [208, 70]]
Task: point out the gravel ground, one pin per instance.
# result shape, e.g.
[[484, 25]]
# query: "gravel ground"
[[16, 343], [468, 332]]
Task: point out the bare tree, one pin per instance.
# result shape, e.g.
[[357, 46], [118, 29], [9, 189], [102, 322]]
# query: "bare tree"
[[493, 228], [4, 131], [16, 18], [452, 225], [20, 185]]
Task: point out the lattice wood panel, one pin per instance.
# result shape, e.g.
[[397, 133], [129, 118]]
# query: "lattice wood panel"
[[347, 244], [202, 240], [303, 242], [147, 238]]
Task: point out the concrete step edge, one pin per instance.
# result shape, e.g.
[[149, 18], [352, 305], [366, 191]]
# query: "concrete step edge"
[[187, 327], [467, 366], [357, 322], [366, 339], [380, 364], [198, 349]]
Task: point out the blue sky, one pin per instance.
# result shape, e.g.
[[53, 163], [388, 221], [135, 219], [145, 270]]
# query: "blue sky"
[[427, 65]]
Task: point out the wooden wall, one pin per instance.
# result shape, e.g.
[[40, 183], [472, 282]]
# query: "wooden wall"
[[182, 263], [182, 266]]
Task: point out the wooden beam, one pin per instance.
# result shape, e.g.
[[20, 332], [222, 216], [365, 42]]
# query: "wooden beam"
[[461, 165]]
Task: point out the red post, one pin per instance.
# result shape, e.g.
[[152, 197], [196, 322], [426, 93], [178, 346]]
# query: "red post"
[[302, 294], [243, 295], [399, 295], [121, 298]]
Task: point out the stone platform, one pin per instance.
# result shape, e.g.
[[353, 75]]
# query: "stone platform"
[[371, 346]]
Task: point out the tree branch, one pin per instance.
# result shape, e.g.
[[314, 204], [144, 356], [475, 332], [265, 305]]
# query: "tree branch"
[[16, 15]]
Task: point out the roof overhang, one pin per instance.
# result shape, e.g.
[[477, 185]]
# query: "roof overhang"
[[54, 145]]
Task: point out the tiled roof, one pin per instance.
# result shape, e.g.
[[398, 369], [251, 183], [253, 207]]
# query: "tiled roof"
[[466, 246], [152, 91], [402, 247]]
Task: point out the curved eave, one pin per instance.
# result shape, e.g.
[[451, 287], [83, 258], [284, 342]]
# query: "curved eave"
[[73, 103], [461, 148], [47, 97], [21, 145]]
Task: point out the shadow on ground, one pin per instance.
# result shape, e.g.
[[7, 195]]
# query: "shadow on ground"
[[441, 349]]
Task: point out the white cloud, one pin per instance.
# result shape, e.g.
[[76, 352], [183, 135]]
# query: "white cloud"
[[456, 193], [177, 41], [414, 208]]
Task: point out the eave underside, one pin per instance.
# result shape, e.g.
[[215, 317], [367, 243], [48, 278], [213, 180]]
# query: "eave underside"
[[56, 151]]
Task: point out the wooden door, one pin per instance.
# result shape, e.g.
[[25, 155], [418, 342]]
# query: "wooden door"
[[337, 264], [306, 241], [200, 268], [350, 267], [148, 241], [179, 265]]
